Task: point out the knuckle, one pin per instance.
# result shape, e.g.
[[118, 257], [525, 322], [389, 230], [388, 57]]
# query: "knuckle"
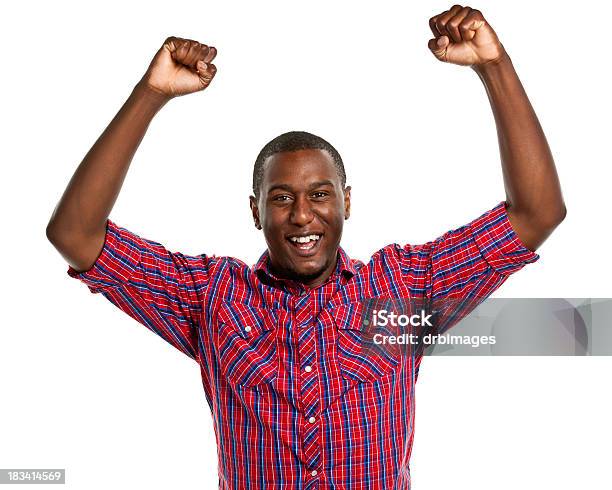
[[171, 40]]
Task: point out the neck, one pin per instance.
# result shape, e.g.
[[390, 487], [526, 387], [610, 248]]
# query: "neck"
[[310, 281]]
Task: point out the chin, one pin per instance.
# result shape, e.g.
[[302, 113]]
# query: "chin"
[[309, 273]]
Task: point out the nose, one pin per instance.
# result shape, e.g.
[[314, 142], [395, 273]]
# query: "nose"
[[301, 212]]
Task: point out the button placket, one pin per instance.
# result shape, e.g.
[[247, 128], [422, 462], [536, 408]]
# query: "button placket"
[[309, 383]]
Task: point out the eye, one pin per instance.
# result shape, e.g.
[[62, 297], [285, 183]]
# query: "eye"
[[281, 198], [320, 194]]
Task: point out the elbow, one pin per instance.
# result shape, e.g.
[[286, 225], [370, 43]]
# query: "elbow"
[[58, 237], [51, 233], [563, 213], [73, 250], [544, 220], [557, 218], [549, 221]]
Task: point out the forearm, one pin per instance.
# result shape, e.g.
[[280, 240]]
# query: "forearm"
[[77, 226], [530, 178]]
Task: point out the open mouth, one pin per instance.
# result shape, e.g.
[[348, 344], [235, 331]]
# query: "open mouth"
[[305, 244]]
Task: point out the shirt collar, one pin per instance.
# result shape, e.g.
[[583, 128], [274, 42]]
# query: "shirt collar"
[[344, 266]]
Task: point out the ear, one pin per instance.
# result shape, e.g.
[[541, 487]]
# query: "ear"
[[255, 211], [347, 202]]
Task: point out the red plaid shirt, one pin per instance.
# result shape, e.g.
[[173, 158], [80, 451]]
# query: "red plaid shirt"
[[295, 402]]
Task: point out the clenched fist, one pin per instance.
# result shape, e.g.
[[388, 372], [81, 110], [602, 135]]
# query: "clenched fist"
[[180, 67], [462, 36]]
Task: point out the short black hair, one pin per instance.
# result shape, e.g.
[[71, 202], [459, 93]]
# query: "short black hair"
[[294, 141]]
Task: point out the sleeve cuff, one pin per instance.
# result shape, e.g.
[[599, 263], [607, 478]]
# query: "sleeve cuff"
[[498, 242], [116, 263]]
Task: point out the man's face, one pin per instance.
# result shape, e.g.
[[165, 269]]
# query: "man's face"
[[301, 209]]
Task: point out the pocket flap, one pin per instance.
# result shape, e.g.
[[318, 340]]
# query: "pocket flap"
[[349, 316], [249, 320], [359, 357], [246, 342]]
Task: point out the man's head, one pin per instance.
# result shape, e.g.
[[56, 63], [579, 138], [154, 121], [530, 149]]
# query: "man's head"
[[300, 202]]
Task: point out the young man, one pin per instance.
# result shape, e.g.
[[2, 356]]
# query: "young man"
[[296, 400]]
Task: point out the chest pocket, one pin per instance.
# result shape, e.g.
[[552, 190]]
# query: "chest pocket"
[[360, 358], [246, 343]]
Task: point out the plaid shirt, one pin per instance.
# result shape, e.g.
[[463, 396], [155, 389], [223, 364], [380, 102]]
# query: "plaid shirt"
[[295, 402]]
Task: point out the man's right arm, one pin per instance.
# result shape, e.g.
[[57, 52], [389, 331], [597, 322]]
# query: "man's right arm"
[[77, 227]]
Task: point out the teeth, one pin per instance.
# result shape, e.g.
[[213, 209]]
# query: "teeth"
[[305, 239]]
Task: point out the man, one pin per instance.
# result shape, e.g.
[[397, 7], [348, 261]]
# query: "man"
[[296, 400]]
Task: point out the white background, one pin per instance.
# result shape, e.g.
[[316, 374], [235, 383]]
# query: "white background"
[[84, 387]]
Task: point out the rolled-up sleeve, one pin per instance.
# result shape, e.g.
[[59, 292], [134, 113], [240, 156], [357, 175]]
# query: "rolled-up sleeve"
[[160, 289], [117, 262], [498, 243], [458, 270]]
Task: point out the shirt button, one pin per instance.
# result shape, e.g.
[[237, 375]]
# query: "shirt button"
[[308, 369], [247, 329], [312, 420], [314, 473]]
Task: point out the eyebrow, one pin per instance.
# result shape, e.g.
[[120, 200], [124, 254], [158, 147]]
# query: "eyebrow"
[[288, 188], [321, 183]]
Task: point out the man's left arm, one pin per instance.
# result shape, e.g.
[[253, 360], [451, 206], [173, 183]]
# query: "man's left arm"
[[535, 208]]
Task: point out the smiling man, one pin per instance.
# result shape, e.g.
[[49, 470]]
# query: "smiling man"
[[300, 201], [297, 401]]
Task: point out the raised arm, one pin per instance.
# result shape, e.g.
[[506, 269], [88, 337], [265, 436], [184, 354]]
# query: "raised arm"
[[462, 36], [78, 225]]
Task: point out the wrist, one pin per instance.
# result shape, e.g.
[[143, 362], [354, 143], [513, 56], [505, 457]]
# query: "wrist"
[[493, 66], [149, 95]]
